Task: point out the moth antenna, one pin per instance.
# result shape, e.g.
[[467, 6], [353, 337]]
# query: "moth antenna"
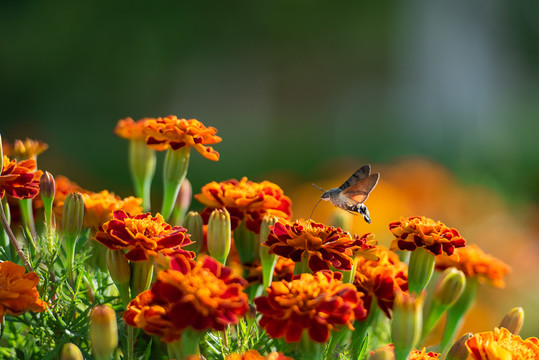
[[311, 216], [319, 188]]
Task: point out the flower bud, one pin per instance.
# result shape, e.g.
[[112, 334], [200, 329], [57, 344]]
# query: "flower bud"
[[73, 216], [406, 322], [183, 201], [103, 332], [194, 225], [449, 287], [219, 234], [459, 351], [513, 320], [118, 267], [70, 352], [47, 187], [268, 260]]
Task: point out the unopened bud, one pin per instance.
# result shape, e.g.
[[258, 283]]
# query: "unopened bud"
[[194, 225], [219, 235], [70, 351], [513, 320], [47, 187], [449, 287], [103, 332], [406, 322], [73, 215], [459, 351]]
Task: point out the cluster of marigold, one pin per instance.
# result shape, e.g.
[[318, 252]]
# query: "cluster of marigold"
[[330, 284]]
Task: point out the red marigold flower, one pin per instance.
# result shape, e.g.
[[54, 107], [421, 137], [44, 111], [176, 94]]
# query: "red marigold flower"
[[324, 245], [142, 236], [318, 302], [255, 355], [18, 292], [29, 149], [501, 344], [380, 279], [133, 130], [246, 201], [474, 262], [19, 179], [202, 295], [420, 231], [175, 133]]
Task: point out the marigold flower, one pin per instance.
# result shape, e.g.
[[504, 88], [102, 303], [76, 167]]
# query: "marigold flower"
[[132, 130], [380, 279], [246, 201], [318, 302], [19, 179], [142, 236], [474, 262], [255, 355], [175, 133], [420, 231], [324, 245], [201, 295], [28, 149], [18, 292], [501, 344], [100, 206]]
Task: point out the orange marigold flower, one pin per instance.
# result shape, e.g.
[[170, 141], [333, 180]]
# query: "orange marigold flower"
[[201, 295], [473, 261], [19, 179], [133, 130], [318, 302], [18, 292], [420, 231], [255, 355], [283, 270], [324, 245], [423, 355], [380, 279], [29, 149], [99, 207], [142, 236], [175, 133], [246, 201], [501, 344]]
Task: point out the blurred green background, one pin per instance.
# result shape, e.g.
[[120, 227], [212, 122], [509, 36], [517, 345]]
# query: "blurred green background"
[[290, 85]]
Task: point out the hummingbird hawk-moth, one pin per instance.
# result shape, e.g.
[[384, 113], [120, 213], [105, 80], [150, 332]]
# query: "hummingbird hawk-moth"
[[351, 195]]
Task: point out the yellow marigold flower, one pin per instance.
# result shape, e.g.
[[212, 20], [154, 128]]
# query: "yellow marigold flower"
[[420, 231], [380, 279], [142, 236], [133, 130], [175, 133], [500, 344], [246, 201], [100, 206], [474, 262], [324, 245], [19, 179], [200, 295], [18, 292], [255, 355], [28, 149], [317, 302], [423, 355]]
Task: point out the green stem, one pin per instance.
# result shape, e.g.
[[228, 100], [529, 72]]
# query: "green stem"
[[174, 172], [436, 310], [246, 243], [309, 348], [302, 267], [361, 327], [130, 342], [141, 276], [28, 215], [13, 240], [420, 270], [142, 168], [190, 341]]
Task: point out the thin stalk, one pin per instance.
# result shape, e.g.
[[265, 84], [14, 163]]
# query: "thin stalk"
[[13, 240]]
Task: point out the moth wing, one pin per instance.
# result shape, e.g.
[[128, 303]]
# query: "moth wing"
[[359, 175], [359, 192]]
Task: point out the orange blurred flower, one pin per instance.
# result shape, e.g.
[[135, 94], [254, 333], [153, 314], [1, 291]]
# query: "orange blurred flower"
[[19, 179], [423, 355], [99, 207], [201, 295], [420, 231], [283, 270], [324, 245], [142, 236], [381, 279], [473, 261], [29, 149], [175, 133], [18, 292], [318, 302], [501, 344], [7, 149], [246, 201], [255, 355], [132, 130]]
